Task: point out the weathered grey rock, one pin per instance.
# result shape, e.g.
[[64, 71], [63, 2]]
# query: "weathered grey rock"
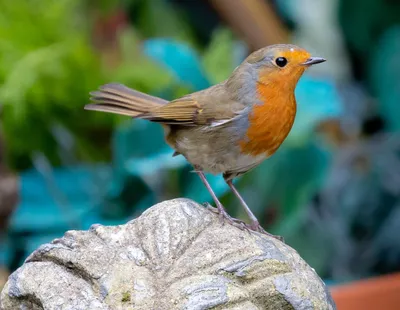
[[176, 255]]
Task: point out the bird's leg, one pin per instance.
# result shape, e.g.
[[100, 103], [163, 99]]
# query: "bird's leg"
[[221, 210], [255, 225]]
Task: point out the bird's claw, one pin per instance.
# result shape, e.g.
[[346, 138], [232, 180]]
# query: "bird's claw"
[[225, 217], [255, 226], [211, 208]]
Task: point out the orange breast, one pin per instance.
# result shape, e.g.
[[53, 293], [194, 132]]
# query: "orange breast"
[[271, 121]]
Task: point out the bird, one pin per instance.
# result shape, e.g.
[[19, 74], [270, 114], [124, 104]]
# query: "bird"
[[229, 128]]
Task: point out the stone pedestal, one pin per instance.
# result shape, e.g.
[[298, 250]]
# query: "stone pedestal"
[[176, 255]]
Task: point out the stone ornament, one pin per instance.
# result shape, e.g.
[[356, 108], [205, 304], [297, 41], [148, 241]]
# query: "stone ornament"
[[176, 255]]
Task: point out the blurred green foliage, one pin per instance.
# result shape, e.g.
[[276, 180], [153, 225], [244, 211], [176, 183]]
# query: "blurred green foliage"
[[219, 59], [161, 19], [48, 65], [363, 23]]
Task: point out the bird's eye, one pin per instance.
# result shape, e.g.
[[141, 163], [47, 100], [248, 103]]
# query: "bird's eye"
[[281, 62]]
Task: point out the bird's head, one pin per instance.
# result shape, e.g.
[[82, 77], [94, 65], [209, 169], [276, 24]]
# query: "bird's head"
[[281, 63], [279, 66]]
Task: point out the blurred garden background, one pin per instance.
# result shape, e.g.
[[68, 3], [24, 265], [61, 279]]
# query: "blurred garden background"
[[332, 190]]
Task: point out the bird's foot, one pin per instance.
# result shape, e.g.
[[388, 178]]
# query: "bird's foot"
[[211, 208], [225, 217], [255, 226]]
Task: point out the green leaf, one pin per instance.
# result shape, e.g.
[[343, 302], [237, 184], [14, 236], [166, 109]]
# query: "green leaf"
[[218, 59]]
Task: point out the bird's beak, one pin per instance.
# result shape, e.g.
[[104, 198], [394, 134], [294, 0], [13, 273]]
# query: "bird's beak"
[[313, 61]]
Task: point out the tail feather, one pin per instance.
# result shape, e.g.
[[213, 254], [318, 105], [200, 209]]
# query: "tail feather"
[[119, 99], [111, 109]]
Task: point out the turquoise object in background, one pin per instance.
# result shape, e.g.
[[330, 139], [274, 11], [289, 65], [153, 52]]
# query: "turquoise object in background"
[[51, 203], [317, 100], [385, 76], [180, 59], [58, 201]]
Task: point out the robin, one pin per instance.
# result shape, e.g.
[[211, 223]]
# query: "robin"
[[228, 128]]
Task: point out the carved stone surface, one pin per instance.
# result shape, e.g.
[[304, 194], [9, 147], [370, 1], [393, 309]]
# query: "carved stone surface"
[[176, 255]]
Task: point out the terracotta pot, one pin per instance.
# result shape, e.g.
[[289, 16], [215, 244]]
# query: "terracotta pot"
[[371, 294]]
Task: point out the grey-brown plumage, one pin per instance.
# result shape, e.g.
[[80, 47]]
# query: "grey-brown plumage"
[[195, 125], [212, 128]]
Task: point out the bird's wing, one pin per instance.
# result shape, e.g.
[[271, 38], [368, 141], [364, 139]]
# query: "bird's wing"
[[212, 107]]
